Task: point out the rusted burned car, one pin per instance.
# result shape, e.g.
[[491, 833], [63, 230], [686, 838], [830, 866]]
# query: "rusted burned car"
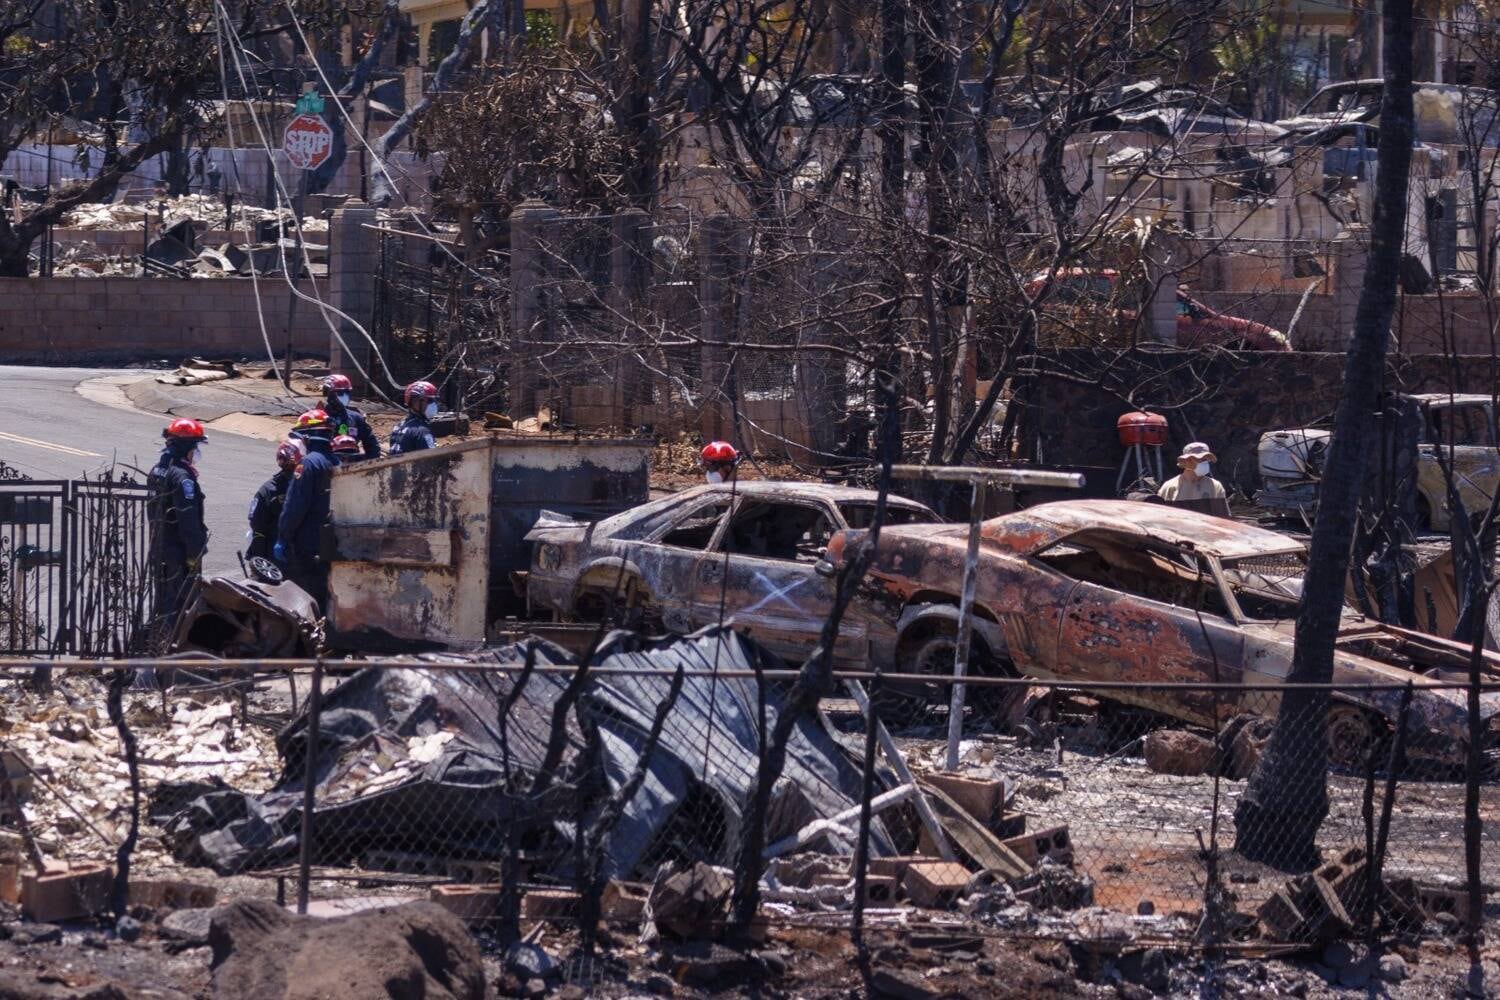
[[1117, 591], [745, 552]]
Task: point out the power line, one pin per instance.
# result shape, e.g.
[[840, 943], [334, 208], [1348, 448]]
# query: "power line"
[[237, 50]]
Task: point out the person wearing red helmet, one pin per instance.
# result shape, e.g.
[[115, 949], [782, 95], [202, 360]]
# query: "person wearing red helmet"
[[178, 536], [337, 391], [718, 459], [415, 432], [300, 527], [265, 508], [346, 449]]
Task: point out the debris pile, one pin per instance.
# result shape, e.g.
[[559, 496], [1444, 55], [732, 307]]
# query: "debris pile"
[[415, 757], [207, 211], [77, 783]]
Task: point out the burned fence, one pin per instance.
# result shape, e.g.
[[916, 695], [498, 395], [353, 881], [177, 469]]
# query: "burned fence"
[[75, 567], [528, 784]]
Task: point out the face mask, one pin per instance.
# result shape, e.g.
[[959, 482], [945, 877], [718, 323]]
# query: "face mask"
[[1201, 468], [715, 477], [196, 455], [430, 411], [343, 398]]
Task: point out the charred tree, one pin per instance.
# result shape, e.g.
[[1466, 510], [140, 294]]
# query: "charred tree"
[[1278, 817]]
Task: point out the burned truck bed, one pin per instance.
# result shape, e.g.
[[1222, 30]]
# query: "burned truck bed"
[[423, 546]]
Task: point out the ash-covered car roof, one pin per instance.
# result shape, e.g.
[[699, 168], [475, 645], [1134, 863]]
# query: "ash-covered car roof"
[[1035, 528]]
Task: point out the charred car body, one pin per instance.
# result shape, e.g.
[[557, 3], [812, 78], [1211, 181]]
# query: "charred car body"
[[746, 553], [1457, 429], [1117, 591]]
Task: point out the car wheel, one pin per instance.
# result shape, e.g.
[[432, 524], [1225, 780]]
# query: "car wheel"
[[932, 652], [1352, 734], [625, 604]]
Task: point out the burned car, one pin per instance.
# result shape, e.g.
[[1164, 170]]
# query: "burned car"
[[745, 552], [1120, 591], [1458, 427]]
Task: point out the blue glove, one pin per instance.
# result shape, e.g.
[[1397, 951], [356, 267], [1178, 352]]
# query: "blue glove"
[[278, 552]]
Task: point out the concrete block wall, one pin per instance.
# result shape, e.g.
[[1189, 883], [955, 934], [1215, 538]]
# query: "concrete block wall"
[[74, 320], [1227, 401]]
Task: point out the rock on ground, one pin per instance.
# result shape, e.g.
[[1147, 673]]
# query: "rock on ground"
[[415, 952], [1174, 751]]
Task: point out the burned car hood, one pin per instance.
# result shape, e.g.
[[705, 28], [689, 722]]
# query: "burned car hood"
[[554, 527]]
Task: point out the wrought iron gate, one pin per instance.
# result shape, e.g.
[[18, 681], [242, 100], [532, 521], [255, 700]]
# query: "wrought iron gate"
[[75, 568]]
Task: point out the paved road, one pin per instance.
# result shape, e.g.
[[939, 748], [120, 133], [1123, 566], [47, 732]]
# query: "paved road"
[[49, 431]]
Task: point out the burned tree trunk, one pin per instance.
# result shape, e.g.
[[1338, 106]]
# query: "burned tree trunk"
[[1278, 817]]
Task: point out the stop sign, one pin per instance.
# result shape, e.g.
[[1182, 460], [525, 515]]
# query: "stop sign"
[[308, 142]]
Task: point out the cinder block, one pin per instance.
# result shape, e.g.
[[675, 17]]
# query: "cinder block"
[[1280, 916], [624, 902], [66, 892], [935, 885], [171, 894], [1009, 824], [468, 902], [982, 798], [880, 890], [1444, 899], [10, 882], [896, 867], [550, 904], [1053, 843]]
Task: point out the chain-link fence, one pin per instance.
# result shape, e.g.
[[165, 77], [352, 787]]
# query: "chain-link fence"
[[676, 786]]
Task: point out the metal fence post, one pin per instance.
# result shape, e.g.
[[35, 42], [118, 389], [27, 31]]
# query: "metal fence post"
[[309, 786], [965, 626], [862, 844]]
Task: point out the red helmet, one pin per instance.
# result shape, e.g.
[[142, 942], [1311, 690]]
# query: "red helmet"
[[421, 390], [313, 420], [184, 429], [345, 445], [716, 452], [338, 383], [289, 453]]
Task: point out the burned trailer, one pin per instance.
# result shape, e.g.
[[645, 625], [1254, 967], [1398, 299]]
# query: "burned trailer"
[[424, 547]]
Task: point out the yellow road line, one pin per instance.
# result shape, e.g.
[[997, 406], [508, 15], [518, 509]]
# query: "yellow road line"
[[33, 442]]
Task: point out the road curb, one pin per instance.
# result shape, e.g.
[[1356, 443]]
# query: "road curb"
[[142, 394]]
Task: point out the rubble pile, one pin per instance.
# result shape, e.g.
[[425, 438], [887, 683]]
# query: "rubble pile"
[[207, 211], [79, 805]]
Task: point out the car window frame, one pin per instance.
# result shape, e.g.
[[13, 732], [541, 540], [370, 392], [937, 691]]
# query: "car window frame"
[[708, 500], [827, 509], [1209, 562]]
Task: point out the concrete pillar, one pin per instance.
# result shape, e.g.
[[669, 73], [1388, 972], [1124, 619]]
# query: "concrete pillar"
[[1162, 255], [629, 285], [718, 261], [532, 224], [353, 261], [1347, 261]]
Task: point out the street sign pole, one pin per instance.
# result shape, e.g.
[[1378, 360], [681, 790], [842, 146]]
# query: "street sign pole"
[[291, 298], [308, 143]]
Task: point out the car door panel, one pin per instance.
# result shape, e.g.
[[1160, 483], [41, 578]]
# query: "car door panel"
[[1109, 635]]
